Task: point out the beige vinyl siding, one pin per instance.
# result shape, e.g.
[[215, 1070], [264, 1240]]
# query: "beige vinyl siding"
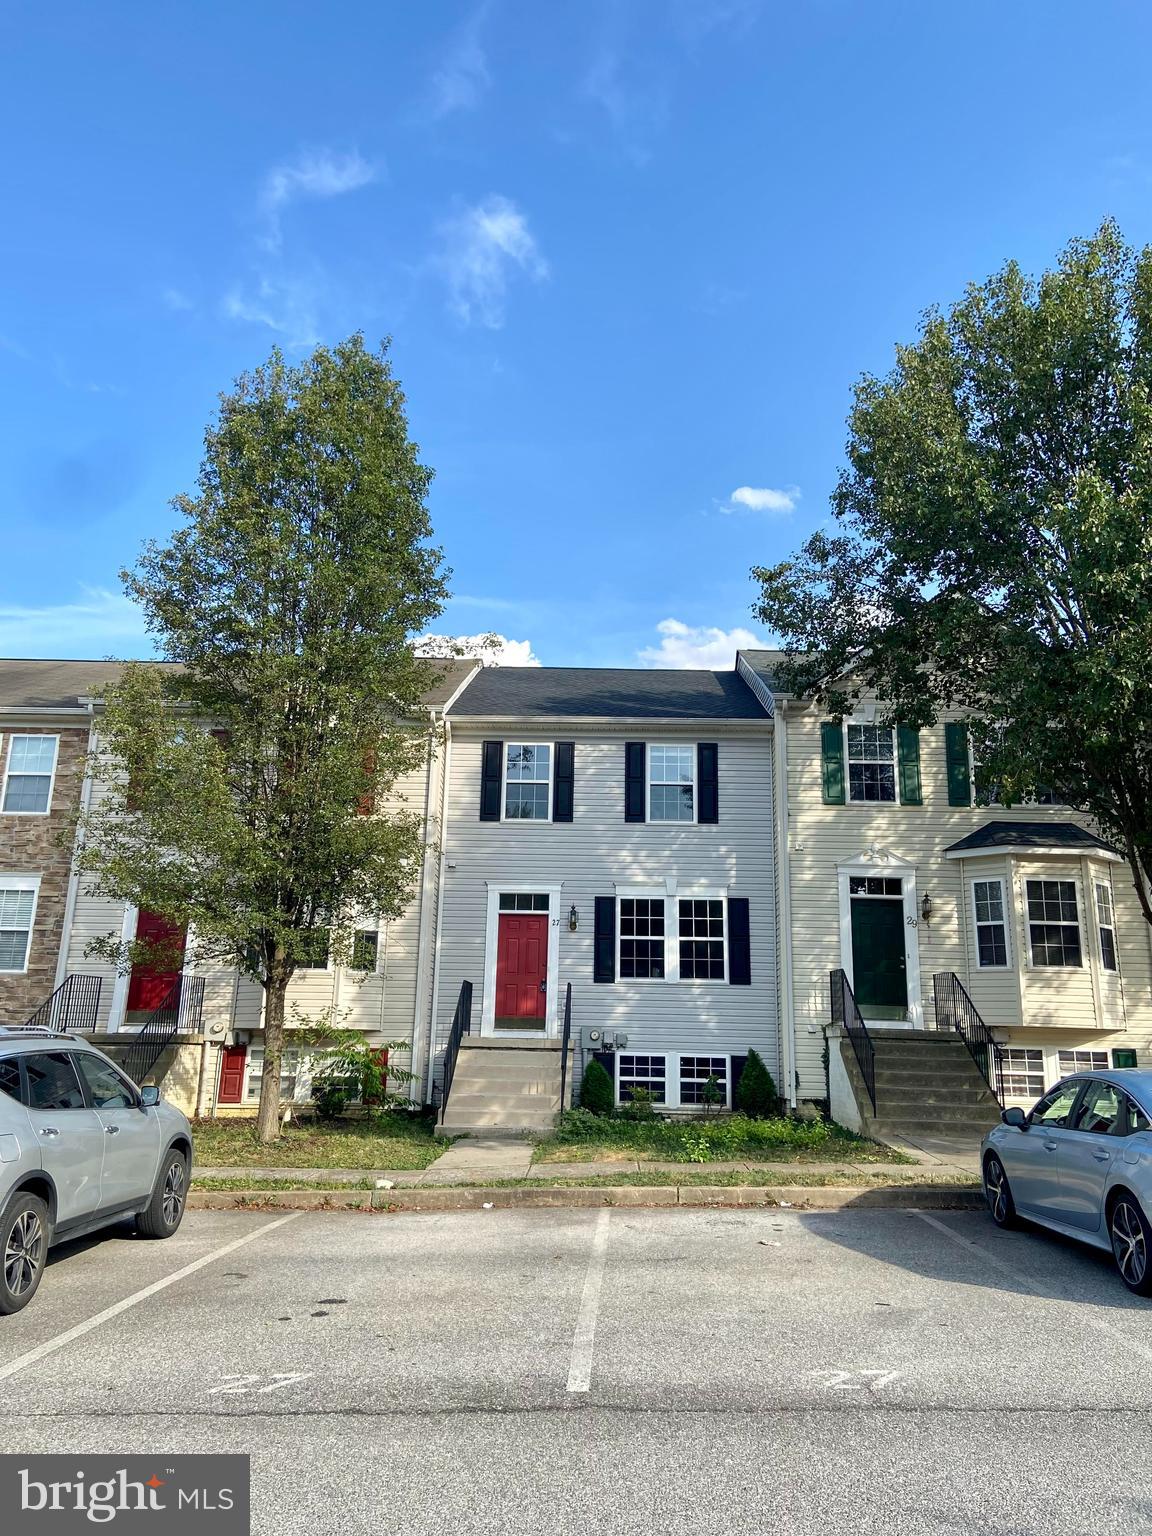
[[599, 851], [822, 836]]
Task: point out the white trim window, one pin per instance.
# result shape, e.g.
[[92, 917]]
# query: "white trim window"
[[870, 751], [1023, 1072], [30, 774], [1053, 923], [17, 916], [675, 1080], [671, 783], [1106, 924], [647, 1073], [1081, 1061], [697, 1073], [991, 926], [527, 781], [641, 938], [365, 951], [703, 947], [295, 1075]]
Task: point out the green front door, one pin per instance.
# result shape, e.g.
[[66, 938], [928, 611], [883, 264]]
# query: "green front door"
[[879, 969]]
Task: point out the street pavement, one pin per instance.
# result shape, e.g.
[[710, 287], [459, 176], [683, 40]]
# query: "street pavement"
[[615, 1370]]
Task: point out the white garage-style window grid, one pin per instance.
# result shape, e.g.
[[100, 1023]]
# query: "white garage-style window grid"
[[295, 1075], [671, 936], [674, 1080], [671, 783], [1053, 913], [527, 792], [18, 895], [29, 775], [1024, 1076], [988, 910], [1081, 1061], [870, 752], [1106, 924]]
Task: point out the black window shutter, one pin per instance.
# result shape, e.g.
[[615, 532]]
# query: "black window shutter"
[[491, 775], [707, 781], [635, 774], [832, 762], [908, 759], [956, 759], [604, 962], [563, 780], [739, 943], [735, 1073]]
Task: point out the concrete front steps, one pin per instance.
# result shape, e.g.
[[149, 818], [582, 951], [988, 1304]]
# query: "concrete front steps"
[[504, 1086], [927, 1084]]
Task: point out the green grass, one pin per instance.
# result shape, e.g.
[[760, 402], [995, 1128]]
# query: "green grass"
[[583, 1138], [386, 1141]]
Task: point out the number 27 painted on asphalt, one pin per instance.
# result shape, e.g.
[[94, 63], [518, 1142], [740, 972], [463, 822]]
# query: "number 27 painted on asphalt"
[[239, 1385]]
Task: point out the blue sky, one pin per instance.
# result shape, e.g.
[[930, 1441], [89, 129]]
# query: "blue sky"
[[632, 254]]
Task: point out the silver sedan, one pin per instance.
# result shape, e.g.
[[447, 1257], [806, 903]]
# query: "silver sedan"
[[1081, 1163]]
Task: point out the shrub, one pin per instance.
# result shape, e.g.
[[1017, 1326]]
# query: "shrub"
[[596, 1091], [639, 1105], [331, 1095], [756, 1094]]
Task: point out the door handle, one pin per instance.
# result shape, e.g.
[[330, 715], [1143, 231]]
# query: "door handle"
[[49, 1130], [1050, 1146], [543, 983], [1101, 1156], [111, 1130]]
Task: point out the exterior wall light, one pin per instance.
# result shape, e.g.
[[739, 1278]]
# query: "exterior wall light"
[[573, 918], [926, 909]]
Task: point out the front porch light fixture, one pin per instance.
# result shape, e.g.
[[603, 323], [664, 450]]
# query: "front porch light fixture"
[[926, 908], [573, 918]]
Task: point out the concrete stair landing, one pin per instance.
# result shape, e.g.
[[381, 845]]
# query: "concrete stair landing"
[[927, 1085], [504, 1087]]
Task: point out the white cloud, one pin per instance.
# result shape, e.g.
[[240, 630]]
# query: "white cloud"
[[685, 646], [314, 173], [99, 622], [636, 109], [175, 299], [287, 306], [493, 650], [763, 499], [484, 247], [462, 78]]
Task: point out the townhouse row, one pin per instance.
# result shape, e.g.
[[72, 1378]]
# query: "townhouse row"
[[674, 864]]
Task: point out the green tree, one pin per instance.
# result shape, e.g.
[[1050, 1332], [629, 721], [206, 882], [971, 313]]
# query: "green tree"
[[241, 794], [756, 1094], [992, 544], [596, 1092]]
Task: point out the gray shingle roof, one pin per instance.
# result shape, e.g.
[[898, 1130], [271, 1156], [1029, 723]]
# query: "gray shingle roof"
[[619, 693], [766, 665], [48, 685], [1032, 834]]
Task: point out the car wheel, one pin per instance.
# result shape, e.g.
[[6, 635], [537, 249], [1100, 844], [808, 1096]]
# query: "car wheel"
[[24, 1236], [165, 1210], [998, 1192], [1131, 1243]]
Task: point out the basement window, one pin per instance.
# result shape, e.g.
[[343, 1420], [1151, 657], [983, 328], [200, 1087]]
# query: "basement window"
[[1023, 1073], [644, 1072]]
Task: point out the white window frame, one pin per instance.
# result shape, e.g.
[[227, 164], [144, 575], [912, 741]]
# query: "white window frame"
[[849, 797], [672, 894], [1005, 922], [1082, 931], [505, 781], [672, 1074], [1027, 1068], [23, 883], [702, 981], [692, 749], [250, 1092], [1090, 1066], [655, 894], [13, 738], [1104, 886], [374, 968]]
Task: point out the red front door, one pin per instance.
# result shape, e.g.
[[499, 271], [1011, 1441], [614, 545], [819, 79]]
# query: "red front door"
[[147, 987], [521, 970]]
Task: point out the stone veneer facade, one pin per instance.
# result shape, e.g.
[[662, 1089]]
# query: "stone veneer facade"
[[31, 845]]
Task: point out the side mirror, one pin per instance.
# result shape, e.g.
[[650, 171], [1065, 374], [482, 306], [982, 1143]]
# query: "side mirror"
[[149, 1096], [1015, 1116]]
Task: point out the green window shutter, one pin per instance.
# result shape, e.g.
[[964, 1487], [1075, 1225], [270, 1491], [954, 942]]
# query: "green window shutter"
[[908, 758], [956, 758], [832, 755]]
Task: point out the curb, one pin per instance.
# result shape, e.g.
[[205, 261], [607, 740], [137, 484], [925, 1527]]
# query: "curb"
[[921, 1197]]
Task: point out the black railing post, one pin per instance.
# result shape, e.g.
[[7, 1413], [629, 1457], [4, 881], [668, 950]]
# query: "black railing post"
[[179, 1013], [72, 1008], [461, 1026], [846, 1014], [565, 1041]]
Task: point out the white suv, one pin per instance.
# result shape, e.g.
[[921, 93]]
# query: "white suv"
[[80, 1146]]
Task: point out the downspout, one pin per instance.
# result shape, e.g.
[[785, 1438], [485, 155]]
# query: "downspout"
[[443, 866], [423, 948], [73, 890], [784, 915]]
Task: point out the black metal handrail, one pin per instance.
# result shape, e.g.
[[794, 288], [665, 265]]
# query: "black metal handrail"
[[956, 1010], [565, 1042], [72, 1008], [178, 1014], [851, 1020], [461, 1026]]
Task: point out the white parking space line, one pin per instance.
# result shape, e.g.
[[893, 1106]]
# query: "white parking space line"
[[1029, 1283], [583, 1340], [52, 1345]]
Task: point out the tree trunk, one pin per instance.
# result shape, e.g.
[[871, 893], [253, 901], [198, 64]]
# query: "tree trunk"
[[268, 1115]]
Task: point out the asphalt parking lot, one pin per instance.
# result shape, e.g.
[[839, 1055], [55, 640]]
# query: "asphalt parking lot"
[[617, 1371]]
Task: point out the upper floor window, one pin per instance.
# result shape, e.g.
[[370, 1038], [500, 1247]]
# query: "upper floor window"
[[527, 782], [365, 949], [17, 910], [28, 780], [672, 783], [1053, 922], [641, 937], [1106, 921], [871, 762], [702, 940], [991, 929]]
